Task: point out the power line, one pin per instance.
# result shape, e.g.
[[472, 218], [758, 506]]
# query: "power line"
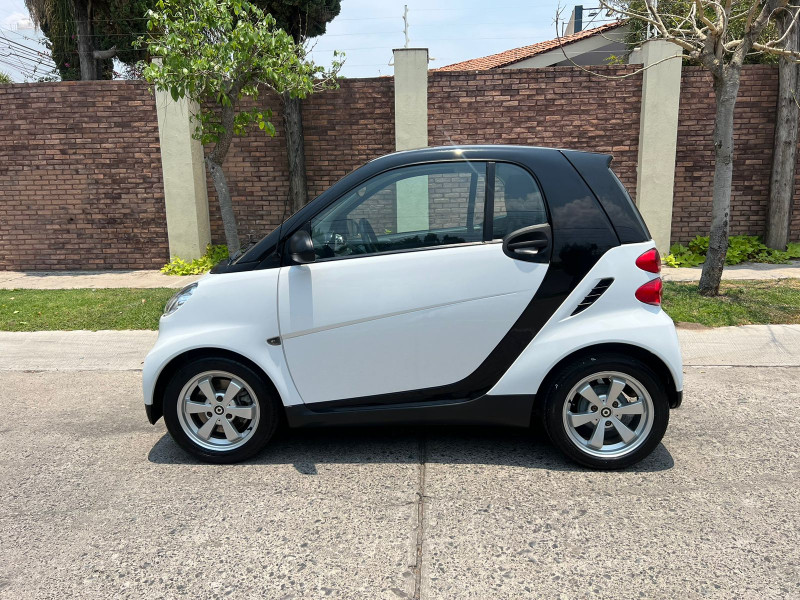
[[495, 6], [23, 51], [23, 47], [26, 71]]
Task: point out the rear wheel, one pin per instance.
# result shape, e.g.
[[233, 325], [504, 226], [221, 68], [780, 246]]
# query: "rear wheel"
[[220, 410], [606, 412]]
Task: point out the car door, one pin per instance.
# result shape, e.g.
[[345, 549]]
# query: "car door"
[[412, 290]]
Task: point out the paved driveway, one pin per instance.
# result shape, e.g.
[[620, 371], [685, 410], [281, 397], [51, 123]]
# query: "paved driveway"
[[96, 503]]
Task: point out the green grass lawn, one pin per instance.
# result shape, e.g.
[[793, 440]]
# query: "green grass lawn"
[[741, 303], [124, 308]]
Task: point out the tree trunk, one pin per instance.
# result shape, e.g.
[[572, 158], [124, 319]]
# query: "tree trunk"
[[295, 152], [214, 162], [726, 88], [781, 187], [83, 26], [225, 206]]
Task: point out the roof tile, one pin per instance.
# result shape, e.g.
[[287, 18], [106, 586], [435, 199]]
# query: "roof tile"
[[514, 55]]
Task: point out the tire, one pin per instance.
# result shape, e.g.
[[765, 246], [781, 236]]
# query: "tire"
[[636, 420], [251, 412]]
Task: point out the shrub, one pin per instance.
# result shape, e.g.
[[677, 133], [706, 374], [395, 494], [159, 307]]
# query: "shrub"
[[681, 256], [741, 248], [213, 255]]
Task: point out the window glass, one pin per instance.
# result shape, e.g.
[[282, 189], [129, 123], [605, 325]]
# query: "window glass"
[[518, 202], [411, 207]]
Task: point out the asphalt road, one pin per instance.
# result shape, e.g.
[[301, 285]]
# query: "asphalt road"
[[96, 503]]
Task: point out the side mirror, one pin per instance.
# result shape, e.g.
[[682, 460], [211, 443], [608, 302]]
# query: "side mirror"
[[301, 247]]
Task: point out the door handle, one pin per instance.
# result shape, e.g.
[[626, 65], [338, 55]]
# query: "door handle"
[[531, 244], [528, 246]]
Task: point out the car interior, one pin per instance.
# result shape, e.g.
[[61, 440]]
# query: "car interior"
[[424, 206]]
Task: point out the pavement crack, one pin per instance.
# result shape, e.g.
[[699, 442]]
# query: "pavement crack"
[[423, 458]]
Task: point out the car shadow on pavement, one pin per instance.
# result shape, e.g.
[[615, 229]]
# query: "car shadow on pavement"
[[304, 449]]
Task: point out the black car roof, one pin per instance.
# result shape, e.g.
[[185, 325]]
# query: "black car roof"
[[459, 152]]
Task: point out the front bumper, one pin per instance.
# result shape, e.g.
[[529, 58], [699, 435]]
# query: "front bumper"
[[153, 413]]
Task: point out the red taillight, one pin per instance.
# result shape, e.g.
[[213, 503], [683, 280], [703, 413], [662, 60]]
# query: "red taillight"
[[650, 261], [650, 292]]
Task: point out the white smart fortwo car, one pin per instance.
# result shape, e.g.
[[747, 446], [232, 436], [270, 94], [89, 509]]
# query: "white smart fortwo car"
[[497, 285]]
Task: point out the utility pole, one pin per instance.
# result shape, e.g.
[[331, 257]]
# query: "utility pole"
[[652, 31], [405, 23]]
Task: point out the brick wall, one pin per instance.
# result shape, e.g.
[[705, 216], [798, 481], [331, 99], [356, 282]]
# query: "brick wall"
[[80, 177], [80, 171], [563, 107], [347, 127], [343, 129], [754, 127]]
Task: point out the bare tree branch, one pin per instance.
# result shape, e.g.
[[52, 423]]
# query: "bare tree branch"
[[104, 54]]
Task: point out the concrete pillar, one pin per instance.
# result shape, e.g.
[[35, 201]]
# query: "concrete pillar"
[[410, 98], [411, 131], [185, 193], [658, 134]]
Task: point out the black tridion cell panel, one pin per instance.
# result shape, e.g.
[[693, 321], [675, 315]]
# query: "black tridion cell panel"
[[615, 200]]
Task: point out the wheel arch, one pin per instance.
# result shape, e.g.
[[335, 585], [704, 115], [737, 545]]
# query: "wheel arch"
[[658, 366], [157, 408]]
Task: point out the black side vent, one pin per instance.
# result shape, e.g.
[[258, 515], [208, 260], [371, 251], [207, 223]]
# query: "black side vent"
[[596, 292]]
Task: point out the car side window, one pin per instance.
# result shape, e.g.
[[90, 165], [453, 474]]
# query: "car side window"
[[411, 207], [518, 200]]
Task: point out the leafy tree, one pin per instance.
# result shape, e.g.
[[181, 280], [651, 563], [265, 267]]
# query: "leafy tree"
[[302, 19], [720, 37], [5, 78], [218, 53], [84, 36]]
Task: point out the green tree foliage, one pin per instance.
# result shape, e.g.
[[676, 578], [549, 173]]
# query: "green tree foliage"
[[56, 20], [5, 78], [119, 23], [218, 53], [113, 24], [302, 19]]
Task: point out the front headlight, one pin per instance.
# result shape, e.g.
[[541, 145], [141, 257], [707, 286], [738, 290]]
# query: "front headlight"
[[179, 299]]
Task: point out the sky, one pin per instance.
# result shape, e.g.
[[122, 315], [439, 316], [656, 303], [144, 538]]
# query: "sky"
[[452, 30], [367, 31]]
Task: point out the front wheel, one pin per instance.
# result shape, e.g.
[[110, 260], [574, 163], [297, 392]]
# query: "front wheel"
[[606, 412], [219, 409]]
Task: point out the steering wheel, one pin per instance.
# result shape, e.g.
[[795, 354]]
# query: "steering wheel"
[[368, 235]]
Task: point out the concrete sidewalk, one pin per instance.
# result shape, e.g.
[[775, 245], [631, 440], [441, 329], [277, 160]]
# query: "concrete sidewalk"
[[64, 280], [736, 272], [746, 346]]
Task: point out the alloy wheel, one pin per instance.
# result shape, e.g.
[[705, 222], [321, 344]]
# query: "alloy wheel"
[[608, 414], [218, 411]]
